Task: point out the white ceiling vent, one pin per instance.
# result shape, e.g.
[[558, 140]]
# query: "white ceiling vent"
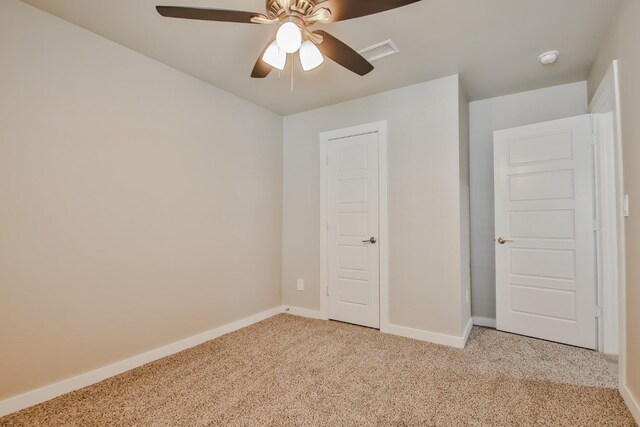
[[379, 50]]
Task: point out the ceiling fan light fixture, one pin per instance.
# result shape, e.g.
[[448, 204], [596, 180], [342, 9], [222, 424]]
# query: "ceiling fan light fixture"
[[275, 56], [289, 37], [310, 56], [295, 18]]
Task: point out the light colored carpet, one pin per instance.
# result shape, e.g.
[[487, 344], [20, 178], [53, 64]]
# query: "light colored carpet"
[[293, 371]]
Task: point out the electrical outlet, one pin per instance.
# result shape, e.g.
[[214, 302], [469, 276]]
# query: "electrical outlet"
[[301, 284]]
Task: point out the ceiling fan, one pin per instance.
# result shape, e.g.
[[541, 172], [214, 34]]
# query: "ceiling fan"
[[295, 17]]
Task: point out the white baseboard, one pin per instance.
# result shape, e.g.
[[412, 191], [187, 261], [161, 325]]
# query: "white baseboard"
[[433, 337], [303, 312], [68, 385], [467, 331], [486, 322], [403, 331], [631, 401]]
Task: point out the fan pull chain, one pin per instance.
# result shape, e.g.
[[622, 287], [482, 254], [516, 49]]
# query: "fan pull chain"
[[278, 68], [293, 55]]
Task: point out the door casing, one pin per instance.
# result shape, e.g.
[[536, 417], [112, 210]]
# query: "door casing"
[[381, 129], [610, 181]]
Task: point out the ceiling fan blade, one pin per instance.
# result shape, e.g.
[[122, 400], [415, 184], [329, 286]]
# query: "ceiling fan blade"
[[348, 9], [262, 69], [207, 14], [343, 54]]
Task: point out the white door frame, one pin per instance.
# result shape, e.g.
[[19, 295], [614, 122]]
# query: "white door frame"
[[325, 138], [610, 183]]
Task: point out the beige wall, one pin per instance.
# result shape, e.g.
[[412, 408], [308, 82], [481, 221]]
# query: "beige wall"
[[139, 206], [424, 201], [622, 44]]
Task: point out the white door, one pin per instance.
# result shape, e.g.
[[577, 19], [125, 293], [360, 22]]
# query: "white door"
[[353, 220], [545, 251]]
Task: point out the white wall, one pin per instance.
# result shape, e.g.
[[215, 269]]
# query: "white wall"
[[425, 217], [139, 206], [486, 116]]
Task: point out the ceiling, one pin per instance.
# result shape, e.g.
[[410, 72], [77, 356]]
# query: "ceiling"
[[493, 44]]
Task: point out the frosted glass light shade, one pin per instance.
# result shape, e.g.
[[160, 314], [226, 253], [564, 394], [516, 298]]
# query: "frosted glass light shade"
[[289, 37], [310, 56], [275, 56]]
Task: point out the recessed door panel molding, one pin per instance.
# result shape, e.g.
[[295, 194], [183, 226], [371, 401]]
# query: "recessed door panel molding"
[[352, 223], [543, 302], [546, 263], [542, 224], [352, 190], [541, 185], [545, 243], [354, 258], [352, 291], [541, 148], [541, 282], [352, 159]]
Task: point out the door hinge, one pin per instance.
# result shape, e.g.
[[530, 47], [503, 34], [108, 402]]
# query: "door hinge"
[[598, 312], [596, 225]]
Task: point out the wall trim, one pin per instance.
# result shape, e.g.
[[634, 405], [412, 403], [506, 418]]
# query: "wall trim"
[[432, 337], [303, 312], [631, 401], [403, 331], [485, 322], [48, 392], [607, 130]]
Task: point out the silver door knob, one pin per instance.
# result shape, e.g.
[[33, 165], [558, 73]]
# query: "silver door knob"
[[503, 241], [371, 240]]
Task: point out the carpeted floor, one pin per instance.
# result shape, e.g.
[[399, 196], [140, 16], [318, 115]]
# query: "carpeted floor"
[[293, 371]]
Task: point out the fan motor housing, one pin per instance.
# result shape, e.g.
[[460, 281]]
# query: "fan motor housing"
[[275, 8]]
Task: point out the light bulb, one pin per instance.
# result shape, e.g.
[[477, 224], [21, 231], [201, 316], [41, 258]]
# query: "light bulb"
[[275, 56], [289, 37], [310, 56]]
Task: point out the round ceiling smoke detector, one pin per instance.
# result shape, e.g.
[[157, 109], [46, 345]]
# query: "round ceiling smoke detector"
[[549, 58]]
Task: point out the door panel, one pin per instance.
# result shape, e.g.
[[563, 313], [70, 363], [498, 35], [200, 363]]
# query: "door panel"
[[545, 267], [541, 186], [543, 263], [542, 224], [352, 210], [551, 303], [541, 148]]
